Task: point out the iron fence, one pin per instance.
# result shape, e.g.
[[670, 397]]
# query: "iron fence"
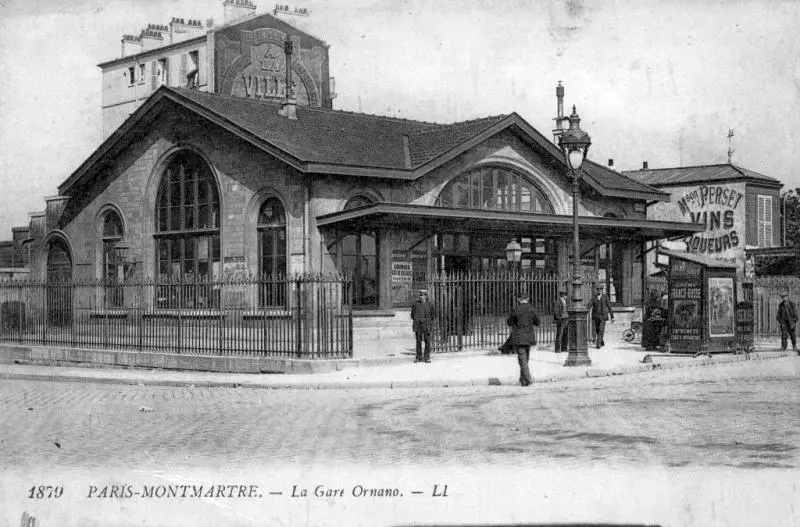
[[472, 308], [300, 316]]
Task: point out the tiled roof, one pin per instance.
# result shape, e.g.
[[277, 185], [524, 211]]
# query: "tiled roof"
[[318, 135], [698, 174], [612, 179], [425, 145]]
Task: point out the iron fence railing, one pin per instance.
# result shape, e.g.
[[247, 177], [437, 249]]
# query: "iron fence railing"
[[472, 308], [300, 316]]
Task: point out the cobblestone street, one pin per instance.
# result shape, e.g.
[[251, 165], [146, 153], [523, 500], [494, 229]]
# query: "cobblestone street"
[[741, 415]]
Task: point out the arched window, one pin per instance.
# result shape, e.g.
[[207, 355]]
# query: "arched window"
[[187, 230], [358, 256], [113, 266], [272, 240], [494, 188]]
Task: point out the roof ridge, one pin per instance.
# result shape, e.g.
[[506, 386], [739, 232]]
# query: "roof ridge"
[[681, 167], [439, 127], [746, 172], [307, 108]]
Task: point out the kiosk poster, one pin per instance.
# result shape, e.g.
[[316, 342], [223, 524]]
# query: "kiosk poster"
[[686, 294], [720, 307]]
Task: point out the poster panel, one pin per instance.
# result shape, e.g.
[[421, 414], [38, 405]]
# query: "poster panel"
[[721, 314]]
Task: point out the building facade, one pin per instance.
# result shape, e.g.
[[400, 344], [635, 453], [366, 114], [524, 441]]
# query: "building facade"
[[739, 210], [243, 57], [229, 177]]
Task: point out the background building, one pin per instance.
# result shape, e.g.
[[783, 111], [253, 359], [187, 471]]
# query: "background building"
[[739, 210]]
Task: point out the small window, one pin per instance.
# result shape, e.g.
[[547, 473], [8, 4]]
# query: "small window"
[[131, 75], [142, 72]]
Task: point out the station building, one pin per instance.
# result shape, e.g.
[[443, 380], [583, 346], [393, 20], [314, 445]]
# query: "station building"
[[224, 172]]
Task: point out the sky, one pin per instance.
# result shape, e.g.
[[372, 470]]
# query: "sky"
[[657, 81]]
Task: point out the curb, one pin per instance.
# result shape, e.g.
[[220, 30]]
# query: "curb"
[[434, 383]]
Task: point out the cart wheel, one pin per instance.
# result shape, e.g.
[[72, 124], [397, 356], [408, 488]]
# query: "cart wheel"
[[628, 335]]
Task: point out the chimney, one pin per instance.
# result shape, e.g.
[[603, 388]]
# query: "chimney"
[[644, 165], [180, 29], [151, 37], [289, 105], [236, 9], [559, 113], [298, 17], [131, 45], [610, 162]]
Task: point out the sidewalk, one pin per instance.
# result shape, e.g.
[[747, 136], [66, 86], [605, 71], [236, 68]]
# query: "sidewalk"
[[446, 370]]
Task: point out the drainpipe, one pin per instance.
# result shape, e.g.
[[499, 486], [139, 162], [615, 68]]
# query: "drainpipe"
[[306, 222]]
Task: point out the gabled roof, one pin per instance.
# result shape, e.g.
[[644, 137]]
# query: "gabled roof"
[[663, 177], [322, 141]]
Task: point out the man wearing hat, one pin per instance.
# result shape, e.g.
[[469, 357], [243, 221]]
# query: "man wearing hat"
[[561, 316], [422, 317], [523, 335], [601, 311], [787, 318]]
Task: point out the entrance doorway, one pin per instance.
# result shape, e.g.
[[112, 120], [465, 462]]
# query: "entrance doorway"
[[59, 286]]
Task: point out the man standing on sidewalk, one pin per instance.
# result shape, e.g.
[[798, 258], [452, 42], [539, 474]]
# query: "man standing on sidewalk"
[[601, 311], [523, 335], [561, 316], [787, 318], [422, 318]]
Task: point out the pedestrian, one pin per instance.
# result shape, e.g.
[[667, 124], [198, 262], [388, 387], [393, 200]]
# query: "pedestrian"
[[561, 316], [422, 318], [601, 311], [523, 320], [787, 318]]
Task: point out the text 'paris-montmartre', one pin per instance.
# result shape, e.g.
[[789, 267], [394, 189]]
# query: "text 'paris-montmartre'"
[[254, 491]]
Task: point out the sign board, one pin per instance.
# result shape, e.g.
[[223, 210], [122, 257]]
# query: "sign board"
[[686, 303], [721, 306]]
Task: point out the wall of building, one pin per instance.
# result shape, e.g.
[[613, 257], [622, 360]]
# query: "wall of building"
[[721, 208], [249, 61], [753, 191], [121, 97], [246, 178]]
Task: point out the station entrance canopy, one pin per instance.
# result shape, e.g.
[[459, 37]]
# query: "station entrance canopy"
[[439, 219]]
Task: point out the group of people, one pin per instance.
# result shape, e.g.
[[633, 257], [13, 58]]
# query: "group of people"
[[523, 321]]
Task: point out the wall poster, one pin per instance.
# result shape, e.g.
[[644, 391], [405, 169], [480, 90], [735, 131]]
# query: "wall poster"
[[686, 297], [721, 317]]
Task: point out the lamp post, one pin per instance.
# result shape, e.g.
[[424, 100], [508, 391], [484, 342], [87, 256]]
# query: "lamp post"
[[574, 143]]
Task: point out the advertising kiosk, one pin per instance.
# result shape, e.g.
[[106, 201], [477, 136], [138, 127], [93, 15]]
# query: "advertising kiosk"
[[702, 304]]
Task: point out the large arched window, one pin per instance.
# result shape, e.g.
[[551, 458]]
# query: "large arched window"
[[358, 256], [113, 266], [187, 230], [272, 251], [494, 188]]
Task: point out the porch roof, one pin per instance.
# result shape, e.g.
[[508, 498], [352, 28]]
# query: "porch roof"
[[438, 219]]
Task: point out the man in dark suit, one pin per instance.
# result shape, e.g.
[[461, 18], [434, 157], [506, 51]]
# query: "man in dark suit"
[[523, 322], [422, 318], [601, 311], [561, 316], [787, 318]]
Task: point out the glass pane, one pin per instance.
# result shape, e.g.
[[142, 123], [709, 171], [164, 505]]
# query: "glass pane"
[[367, 245], [501, 180], [163, 250], [189, 247], [202, 217], [202, 247], [188, 196], [202, 192], [215, 248], [188, 218], [475, 189], [214, 221], [163, 216], [348, 245], [488, 189], [525, 198], [202, 270], [175, 193], [175, 218], [177, 249]]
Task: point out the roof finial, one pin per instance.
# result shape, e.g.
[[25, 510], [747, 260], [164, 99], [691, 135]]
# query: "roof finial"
[[730, 144]]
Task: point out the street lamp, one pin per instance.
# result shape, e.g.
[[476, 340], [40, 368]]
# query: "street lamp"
[[513, 253], [574, 143]]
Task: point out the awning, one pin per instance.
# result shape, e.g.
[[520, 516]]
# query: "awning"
[[444, 219]]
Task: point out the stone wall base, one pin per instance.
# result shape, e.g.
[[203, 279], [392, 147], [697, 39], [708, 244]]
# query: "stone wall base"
[[59, 356]]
